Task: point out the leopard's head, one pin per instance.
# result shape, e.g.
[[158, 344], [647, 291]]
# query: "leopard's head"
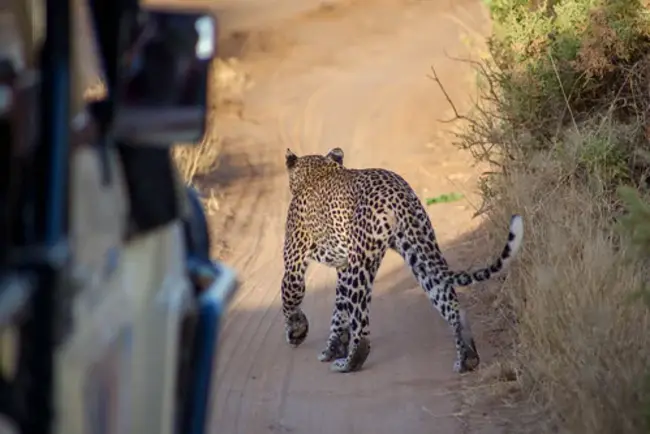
[[302, 170]]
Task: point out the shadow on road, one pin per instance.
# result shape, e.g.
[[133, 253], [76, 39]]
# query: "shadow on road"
[[410, 340], [235, 169]]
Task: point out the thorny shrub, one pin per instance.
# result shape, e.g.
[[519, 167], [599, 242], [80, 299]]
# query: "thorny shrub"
[[563, 118]]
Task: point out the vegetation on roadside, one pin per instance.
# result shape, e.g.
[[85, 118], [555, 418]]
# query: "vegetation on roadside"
[[228, 82], [444, 198], [564, 119]]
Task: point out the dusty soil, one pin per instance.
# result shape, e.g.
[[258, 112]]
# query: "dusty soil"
[[348, 74]]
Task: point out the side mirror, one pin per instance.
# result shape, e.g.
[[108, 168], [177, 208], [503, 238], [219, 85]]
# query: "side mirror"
[[163, 77]]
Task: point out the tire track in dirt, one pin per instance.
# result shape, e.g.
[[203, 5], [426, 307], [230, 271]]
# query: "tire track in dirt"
[[353, 77]]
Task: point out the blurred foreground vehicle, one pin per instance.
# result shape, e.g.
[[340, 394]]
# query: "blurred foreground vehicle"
[[109, 302]]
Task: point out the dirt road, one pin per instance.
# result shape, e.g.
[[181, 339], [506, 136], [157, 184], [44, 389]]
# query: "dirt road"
[[353, 75]]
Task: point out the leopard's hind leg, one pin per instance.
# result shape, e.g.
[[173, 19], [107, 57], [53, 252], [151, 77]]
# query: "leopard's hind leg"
[[418, 246]]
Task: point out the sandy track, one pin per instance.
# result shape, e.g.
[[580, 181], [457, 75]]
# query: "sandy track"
[[351, 75]]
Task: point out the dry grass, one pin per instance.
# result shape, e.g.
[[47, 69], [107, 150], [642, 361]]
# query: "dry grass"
[[563, 121], [193, 160], [583, 341], [228, 83]]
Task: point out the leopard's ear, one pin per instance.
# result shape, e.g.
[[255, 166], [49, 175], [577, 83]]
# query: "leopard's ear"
[[290, 159], [336, 154]]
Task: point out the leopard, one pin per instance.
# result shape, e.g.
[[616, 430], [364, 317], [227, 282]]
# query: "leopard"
[[347, 219]]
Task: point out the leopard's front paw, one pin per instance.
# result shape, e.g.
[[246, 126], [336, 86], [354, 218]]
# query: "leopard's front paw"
[[296, 328], [340, 365], [356, 358], [326, 356], [337, 347]]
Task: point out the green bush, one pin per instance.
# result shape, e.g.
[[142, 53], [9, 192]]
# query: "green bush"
[[564, 119], [565, 62]]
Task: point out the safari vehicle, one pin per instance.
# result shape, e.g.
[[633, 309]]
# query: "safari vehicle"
[[109, 302]]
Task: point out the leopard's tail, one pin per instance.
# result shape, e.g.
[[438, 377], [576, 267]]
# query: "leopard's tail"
[[515, 238]]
